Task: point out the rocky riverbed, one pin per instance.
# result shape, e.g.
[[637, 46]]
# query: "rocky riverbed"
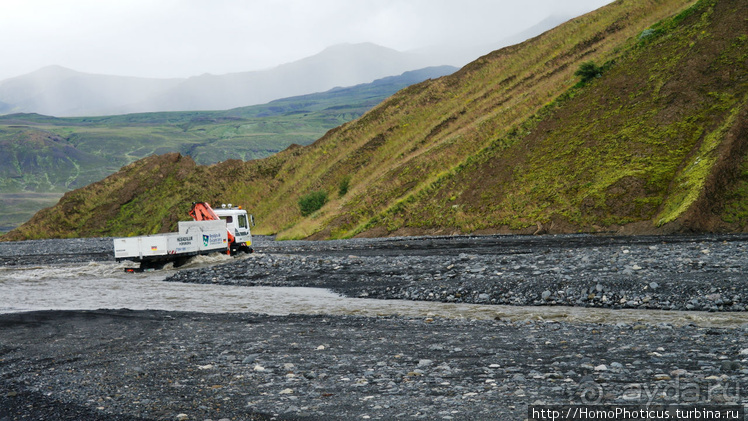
[[673, 273], [154, 365]]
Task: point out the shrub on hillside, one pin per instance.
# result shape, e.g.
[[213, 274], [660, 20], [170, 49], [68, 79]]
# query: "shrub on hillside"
[[312, 202], [343, 186], [588, 71]]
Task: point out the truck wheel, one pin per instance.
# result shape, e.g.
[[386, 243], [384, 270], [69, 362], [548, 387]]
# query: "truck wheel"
[[180, 261], [146, 265]]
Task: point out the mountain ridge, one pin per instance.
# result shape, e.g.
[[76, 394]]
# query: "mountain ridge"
[[41, 157], [653, 141], [58, 91]]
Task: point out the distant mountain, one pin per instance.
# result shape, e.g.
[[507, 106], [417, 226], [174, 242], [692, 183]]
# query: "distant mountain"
[[58, 91], [42, 157], [654, 140], [62, 92], [5, 108], [341, 65]]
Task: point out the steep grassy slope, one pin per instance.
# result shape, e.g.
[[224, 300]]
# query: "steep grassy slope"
[[657, 138], [41, 154], [208, 136], [510, 142]]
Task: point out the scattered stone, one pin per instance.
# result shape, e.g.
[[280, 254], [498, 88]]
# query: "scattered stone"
[[392, 367], [729, 366]]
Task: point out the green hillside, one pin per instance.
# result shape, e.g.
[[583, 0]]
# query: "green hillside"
[[652, 139], [42, 157]]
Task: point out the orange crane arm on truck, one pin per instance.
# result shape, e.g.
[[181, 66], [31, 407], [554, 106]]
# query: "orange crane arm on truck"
[[201, 211]]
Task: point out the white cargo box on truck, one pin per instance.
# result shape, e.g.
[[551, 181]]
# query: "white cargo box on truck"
[[193, 238], [206, 235]]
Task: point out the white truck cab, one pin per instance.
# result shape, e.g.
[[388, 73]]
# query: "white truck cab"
[[238, 223]]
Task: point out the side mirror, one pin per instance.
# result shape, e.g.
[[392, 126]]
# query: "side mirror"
[[252, 220]]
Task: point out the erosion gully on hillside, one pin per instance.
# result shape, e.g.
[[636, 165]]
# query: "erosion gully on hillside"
[[167, 365]]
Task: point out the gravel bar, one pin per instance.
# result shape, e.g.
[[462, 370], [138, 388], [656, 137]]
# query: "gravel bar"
[[671, 273], [145, 365], [119, 364]]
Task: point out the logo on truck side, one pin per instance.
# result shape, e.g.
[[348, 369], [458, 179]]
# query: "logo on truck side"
[[212, 239]]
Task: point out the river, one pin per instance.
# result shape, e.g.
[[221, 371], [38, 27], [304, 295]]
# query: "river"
[[99, 285]]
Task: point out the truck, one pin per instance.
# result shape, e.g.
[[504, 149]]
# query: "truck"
[[224, 230]]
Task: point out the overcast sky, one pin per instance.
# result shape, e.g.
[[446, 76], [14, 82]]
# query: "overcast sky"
[[182, 38]]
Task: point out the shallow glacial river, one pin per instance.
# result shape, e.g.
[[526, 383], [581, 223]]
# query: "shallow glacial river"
[[99, 285]]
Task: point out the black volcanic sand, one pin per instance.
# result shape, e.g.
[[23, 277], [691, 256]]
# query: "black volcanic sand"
[[152, 365]]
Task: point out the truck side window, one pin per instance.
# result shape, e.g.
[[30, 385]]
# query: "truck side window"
[[228, 219]]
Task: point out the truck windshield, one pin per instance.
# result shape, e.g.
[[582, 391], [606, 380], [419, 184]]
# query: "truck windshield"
[[242, 219]]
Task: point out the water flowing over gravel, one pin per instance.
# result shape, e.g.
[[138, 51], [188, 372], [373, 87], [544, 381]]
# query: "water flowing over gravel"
[[671, 273], [155, 365]]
